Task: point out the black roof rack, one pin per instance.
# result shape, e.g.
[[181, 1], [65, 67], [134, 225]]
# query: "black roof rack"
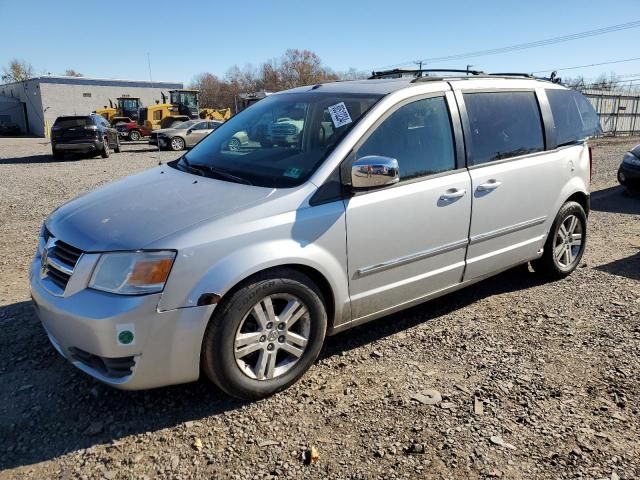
[[419, 71], [511, 74]]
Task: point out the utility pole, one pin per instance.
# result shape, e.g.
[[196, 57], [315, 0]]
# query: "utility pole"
[[468, 67], [419, 63]]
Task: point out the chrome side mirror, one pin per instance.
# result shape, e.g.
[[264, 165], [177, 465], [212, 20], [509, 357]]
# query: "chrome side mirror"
[[374, 171]]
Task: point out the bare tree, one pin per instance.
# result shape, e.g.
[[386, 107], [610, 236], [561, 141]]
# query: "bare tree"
[[295, 68], [72, 73], [212, 90], [17, 71], [303, 67]]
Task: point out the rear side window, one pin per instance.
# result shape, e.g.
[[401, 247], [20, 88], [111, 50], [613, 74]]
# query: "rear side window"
[[71, 122], [418, 135], [503, 125], [574, 116]]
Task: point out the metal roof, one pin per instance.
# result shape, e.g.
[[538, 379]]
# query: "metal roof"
[[101, 82]]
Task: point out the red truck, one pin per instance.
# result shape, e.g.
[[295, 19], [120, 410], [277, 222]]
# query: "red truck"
[[132, 131]]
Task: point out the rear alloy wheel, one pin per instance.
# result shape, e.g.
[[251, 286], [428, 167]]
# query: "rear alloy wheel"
[[134, 135], [265, 335], [176, 144], [106, 151], [565, 245]]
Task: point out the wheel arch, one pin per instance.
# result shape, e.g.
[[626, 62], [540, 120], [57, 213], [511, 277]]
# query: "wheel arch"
[[317, 277], [582, 199]]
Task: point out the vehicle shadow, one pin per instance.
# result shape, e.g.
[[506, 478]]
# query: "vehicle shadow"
[[518, 278], [44, 158], [625, 267], [48, 408], [616, 200]]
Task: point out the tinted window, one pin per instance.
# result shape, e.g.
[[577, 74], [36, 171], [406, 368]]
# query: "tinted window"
[[573, 115], [503, 125], [71, 122], [418, 135]]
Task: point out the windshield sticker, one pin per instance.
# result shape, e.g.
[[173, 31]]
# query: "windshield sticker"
[[339, 115], [293, 172]]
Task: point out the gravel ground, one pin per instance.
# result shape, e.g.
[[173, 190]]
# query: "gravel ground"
[[510, 378]]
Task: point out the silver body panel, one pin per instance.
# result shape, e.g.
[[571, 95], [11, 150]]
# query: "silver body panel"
[[379, 251]]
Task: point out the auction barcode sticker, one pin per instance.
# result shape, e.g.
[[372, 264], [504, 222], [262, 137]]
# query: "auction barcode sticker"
[[339, 114]]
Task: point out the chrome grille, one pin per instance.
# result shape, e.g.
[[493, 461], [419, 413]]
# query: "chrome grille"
[[59, 259]]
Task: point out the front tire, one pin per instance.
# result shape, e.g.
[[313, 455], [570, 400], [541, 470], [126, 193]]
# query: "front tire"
[[266, 335], [134, 135], [565, 244], [117, 147], [176, 144]]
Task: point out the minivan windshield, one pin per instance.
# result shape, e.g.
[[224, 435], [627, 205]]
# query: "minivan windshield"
[[280, 140]]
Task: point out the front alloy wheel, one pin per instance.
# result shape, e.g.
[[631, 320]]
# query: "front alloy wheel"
[[176, 144], [272, 336], [264, 334]]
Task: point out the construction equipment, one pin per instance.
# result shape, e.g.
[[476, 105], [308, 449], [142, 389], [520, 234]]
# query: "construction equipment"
[[219, 114], [182, 106], [244, 100], [124, 107]]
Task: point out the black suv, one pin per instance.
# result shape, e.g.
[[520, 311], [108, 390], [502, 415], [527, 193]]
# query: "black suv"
[[83, 134]]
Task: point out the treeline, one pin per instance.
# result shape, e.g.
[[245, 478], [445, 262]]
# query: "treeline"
[[294, 68]]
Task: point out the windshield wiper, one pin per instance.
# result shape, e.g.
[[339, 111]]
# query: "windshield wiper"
[[198, 168]]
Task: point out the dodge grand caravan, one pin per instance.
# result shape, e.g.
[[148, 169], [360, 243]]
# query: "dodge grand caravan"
[[237, 260]]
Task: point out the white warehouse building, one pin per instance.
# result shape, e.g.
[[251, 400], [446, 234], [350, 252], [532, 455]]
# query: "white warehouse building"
[[35, 104]]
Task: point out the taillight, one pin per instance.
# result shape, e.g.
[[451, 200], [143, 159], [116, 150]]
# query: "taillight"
[[590, 164], [93, 130]]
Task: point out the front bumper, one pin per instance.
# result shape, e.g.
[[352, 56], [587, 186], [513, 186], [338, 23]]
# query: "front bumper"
[[84, 328], [629, 175]]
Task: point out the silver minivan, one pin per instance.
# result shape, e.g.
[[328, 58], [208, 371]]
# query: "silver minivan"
[[343, 203]]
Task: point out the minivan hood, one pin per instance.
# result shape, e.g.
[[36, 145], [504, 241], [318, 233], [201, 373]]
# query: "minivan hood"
[[137, 210]]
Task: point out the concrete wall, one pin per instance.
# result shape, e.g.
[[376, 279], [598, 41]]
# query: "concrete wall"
[[13, 110], [29, 93], [47, 98]]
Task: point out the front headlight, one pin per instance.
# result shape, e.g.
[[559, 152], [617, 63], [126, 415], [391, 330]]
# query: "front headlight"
[[132, 273], [630, 159]]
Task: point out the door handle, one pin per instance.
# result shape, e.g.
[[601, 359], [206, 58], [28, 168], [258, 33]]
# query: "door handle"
[[453, 194], [489, 186]]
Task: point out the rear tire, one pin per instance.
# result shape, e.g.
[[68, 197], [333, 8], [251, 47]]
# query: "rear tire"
[[117, 147], [106, 151], [134, 135], [565, 244], [265, 335]]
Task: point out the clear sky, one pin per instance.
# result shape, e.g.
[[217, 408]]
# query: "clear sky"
[[183, 38]]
